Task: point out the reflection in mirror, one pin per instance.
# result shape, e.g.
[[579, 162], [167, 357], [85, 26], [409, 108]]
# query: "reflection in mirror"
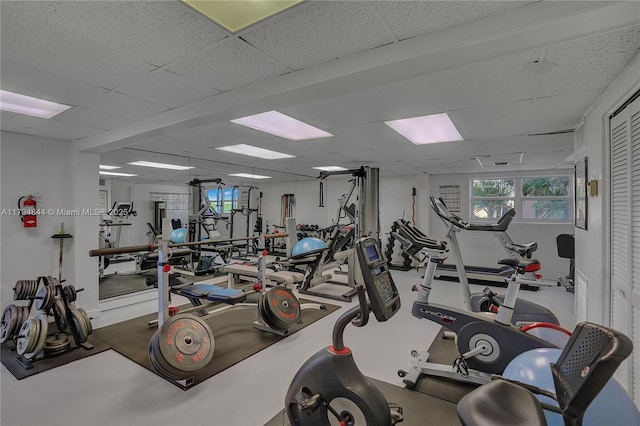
[[202, 199]]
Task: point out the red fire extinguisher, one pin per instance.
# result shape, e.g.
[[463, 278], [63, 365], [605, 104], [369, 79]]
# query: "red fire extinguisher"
[[28, 211]]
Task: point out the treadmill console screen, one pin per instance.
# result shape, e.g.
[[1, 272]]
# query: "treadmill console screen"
[[382, 291]]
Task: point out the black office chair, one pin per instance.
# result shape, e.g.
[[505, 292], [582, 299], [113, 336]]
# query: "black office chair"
[[176, 223], [584, 367], [566, 244]]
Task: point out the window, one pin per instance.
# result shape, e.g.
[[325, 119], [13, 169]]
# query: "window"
[[535, 199], [223, 200]]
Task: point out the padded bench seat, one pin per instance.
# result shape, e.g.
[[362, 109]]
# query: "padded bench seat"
[[213, 293], [282, 277]]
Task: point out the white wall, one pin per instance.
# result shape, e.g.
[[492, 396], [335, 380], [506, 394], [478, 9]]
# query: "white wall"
[[483, 248], [50, 168], [592, 245], [395, 200]]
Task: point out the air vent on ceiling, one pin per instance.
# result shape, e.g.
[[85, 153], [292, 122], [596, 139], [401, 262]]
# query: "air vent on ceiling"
[[559, 132], [501, 163]]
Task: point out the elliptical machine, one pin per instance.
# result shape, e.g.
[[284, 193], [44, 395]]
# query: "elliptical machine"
[[329, 388]]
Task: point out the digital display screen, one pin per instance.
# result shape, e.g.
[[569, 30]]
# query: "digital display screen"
[[372, 253]]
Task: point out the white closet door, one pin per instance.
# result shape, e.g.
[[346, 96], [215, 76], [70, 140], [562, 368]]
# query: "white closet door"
[[625, 236], [634, 114]]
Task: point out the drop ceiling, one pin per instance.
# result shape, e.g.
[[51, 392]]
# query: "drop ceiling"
[[158, 81]]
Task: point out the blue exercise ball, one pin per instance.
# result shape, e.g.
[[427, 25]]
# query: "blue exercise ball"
[[178, 236], [612, 406], [308, 247]]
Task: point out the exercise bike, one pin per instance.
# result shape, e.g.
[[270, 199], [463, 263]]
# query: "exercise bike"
[[486, 342], [329, 389], [423, 249]]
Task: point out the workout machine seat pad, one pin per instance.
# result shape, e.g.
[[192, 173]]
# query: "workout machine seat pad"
[[214, 293], [499, 403], [239, 269]]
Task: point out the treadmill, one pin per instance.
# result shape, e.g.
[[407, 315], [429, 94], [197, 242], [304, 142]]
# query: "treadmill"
[[496, 276]]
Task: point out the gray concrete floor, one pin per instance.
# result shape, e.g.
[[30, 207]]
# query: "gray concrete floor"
[[108, 389]]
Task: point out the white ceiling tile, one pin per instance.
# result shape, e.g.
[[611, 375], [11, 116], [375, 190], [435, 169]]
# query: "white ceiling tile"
[[157, 32], [319, 32], [524, 117], [5, 127], [164, 88], [227, 65], [413, 18], [589, 63], [35, 43], [493, 121], [87, 117], [124, 106], [64, 131], [7, 117], [43, 84]]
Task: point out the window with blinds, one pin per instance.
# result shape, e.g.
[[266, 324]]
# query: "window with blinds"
[[625, 233]]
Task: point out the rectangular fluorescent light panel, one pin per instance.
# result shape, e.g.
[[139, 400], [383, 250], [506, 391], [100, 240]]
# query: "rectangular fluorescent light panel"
[[160, 165], [105, 167], [254, 151], [278, 124], [427, 129], [117, 174], [237, 15], [250, 176], [330, 168], [27, 105]]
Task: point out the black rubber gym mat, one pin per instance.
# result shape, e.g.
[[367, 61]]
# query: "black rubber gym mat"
[[418, 408], [10, 358], [235, 339]]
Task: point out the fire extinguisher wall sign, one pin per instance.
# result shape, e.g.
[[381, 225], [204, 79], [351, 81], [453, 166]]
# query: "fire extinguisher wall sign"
[[28, 209]]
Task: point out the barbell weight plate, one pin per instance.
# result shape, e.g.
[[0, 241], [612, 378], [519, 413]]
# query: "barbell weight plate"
[[283, 307], [161, 364], [87, 320], [57, 344], [43, 320], [19, 321], [6, 325], [15, 325], [41, 298], [186, 343], [60, 314], [78, 323], [18, 290], [28, 336]]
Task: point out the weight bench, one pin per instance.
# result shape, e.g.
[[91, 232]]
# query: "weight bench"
[[237, 270]]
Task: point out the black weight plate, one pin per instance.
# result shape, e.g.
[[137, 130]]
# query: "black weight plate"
[[41, 298], [283, 307], [186, 342], [160, 364], [70, 293], [60, 314]]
